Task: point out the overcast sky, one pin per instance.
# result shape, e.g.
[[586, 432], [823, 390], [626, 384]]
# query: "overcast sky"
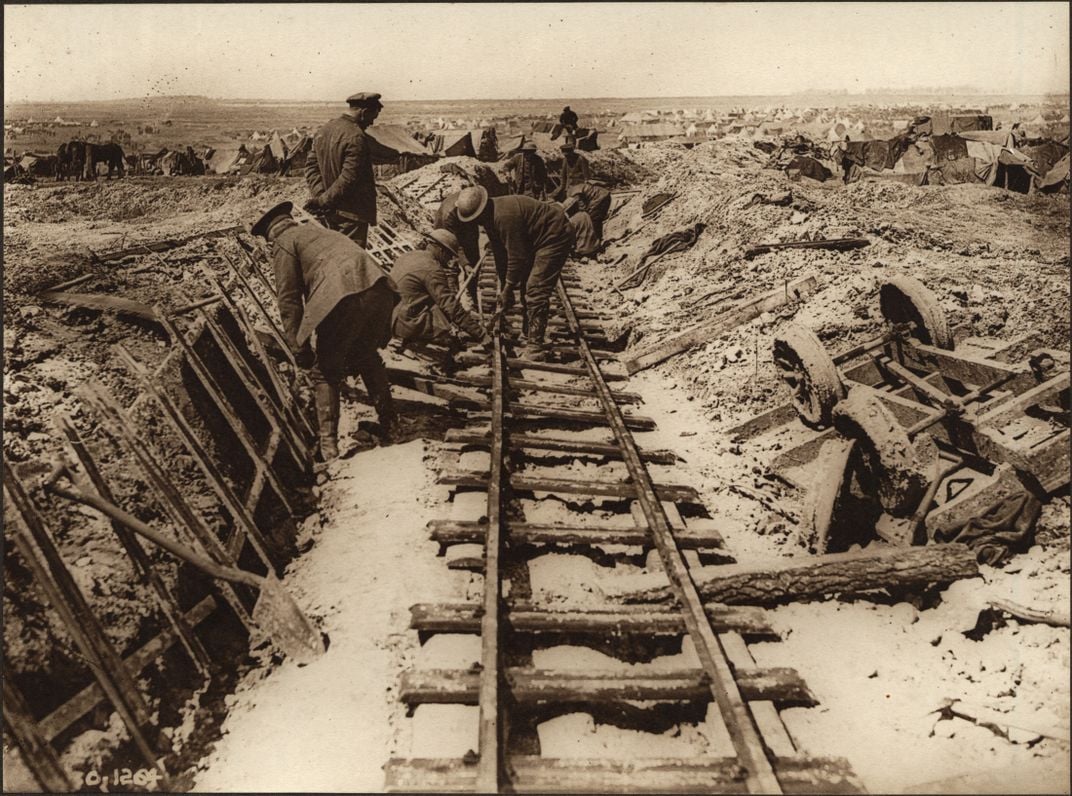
[[507, 51]]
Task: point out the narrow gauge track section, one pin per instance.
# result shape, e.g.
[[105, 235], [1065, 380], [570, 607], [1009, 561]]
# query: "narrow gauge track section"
[[513, 696]]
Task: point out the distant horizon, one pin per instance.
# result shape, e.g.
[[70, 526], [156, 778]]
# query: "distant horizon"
[[959, 92]]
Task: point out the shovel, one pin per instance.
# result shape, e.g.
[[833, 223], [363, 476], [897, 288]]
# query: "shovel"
[[275, 612]]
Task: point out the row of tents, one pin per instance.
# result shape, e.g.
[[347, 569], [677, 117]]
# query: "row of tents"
[[993, 157]]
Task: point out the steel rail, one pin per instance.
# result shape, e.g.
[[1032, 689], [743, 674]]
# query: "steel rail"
[[490, 767], [742, 730]]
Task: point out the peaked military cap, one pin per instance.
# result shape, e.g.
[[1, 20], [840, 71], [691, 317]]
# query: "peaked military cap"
[[364, 99], [261, 225]]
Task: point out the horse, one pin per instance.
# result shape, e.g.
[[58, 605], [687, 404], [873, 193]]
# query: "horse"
[[70, 159], [111, 154]]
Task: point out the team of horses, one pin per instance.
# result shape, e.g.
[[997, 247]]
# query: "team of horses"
[[78, 160]]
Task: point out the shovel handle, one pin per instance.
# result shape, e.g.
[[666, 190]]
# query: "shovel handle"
[[469, 277], [137, 526]]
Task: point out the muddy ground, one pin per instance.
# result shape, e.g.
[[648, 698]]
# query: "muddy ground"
[[998, 263]]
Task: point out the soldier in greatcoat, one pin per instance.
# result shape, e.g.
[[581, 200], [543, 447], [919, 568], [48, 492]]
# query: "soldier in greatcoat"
[[328, 285], [338, 170]]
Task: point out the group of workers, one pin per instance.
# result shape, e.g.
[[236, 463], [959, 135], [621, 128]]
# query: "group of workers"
[[328, 284]]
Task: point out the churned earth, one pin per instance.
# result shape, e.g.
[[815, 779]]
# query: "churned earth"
[[896, 683]]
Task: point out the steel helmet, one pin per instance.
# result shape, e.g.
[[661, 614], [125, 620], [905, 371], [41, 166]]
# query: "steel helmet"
[[445, 238], [471, 203]]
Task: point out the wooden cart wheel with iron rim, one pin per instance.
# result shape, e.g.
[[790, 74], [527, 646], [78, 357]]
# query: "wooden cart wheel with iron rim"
[[889, 466], [812, 377], [826, 502], [904, 299]]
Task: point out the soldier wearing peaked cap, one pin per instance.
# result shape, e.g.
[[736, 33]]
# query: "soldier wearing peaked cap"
[[339, 172], [328, 285]]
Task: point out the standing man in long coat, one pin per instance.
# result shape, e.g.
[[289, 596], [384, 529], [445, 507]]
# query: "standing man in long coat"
[[339, 172], [327, 284], [575, 169], [530, 241], [527, 172]]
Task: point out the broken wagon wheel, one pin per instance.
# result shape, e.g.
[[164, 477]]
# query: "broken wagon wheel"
[[904, 299], [812, 377], [824, 502], [890, 467]]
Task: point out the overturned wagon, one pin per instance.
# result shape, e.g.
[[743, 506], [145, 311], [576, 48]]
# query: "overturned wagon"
[[913, 438]]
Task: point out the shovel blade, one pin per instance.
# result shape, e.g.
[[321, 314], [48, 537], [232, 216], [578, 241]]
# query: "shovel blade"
[[281, 620]]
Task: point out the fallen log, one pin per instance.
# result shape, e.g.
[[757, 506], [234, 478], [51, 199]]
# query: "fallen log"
[[813, 577], [837, 244], [741, 312], [99, 301], [1025, 614]]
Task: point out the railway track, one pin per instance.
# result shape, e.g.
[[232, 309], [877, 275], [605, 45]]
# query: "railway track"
[[518, 419]]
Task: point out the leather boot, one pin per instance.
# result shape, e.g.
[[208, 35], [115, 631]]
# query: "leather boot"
[[327, 419], [388, 417], [379, 390], [535, 347]]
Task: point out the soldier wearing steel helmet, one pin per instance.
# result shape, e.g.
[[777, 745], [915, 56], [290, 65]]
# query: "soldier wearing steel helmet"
[[328, 285], [530, 241], [427, 280]]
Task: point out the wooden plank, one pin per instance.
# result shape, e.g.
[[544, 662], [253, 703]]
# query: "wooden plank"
[[742, 312], [679, 775], [620, 620], [240, 515], [285, 397], [469, 532], [569, 686], [834, 244], [34, 542], [37, 753], [515, 363], [524, 385], [549, 775], [165, 244], [56, 722], [607, 450], [518, 409], [566, 486], [747, 743], [271, 410], [104, 302], [528, 412], [139, 559], [966, 368], [170, 497], [275, 330], [231, 415]]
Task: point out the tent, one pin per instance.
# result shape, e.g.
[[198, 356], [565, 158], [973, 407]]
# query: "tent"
[[279, 149], [395, 151], [510, 144], [227, 159], [451, 143], [650, 132], [1055, 178], [297, 155]]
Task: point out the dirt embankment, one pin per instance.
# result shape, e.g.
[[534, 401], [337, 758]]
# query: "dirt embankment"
[[997, 261]]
